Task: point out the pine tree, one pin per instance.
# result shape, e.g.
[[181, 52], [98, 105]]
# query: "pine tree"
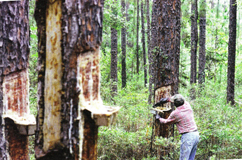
[[69, 36], [202, 42], [166, 44], [123, 44], [137, 40], [231, 52], [14, 57], [143, 43], [194, 39]]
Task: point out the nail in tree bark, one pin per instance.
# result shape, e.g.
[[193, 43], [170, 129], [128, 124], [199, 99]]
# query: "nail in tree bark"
[[167, 54], [15, 115], [69, 102], [232, 52]]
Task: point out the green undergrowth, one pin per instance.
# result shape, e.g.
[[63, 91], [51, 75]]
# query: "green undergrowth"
[[219, 125]]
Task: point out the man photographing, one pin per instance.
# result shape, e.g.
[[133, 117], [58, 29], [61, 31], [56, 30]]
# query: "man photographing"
[[183, 117]]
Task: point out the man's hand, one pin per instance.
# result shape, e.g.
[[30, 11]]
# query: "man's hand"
[[162, 101], [157, 116]]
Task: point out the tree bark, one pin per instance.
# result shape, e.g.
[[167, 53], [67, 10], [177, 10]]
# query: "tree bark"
[[3, 152], [14, 31], [231, 52], [137, 40], [168, 38], [166, 30], [202, 43], [143, 43], [150, 55], [14, 56], [154, 37], [194, 39], [123, 41], [114, 59], [69, 36]]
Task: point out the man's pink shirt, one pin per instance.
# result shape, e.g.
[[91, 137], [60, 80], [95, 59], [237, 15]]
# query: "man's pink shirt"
[[183, 118]]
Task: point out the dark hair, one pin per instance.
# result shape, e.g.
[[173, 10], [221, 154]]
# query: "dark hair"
[[178, 102]]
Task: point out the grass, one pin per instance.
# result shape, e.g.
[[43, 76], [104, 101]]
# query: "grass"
[[129, 137], [219, 125]]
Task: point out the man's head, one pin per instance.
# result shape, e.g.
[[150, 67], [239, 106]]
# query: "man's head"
[[178, 100]]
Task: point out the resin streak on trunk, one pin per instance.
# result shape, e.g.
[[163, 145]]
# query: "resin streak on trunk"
[[161, 129], [82, 34], [2, 128], [88, 77], [166, 48], [164, 130], [88, 84], [14, 56], [53, 75], [69, 35], [163, 92], [16, 106], [15, 99]]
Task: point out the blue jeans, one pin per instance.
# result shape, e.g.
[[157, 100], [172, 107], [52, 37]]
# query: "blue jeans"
[[189, 143]]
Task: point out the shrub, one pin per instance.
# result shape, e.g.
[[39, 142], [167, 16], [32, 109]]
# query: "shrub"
[[219, 125]]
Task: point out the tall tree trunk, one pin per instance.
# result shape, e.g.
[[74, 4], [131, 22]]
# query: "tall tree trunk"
[[123, 41], [150, 55], [137, 40], [143, 43], [238, 33], [202, 42], [194, 39], [69, 36], [14, 82], [114, 47], [167, 12], [232, 51]]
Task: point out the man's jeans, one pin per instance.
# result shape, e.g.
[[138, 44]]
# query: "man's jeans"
[[189, 143]]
